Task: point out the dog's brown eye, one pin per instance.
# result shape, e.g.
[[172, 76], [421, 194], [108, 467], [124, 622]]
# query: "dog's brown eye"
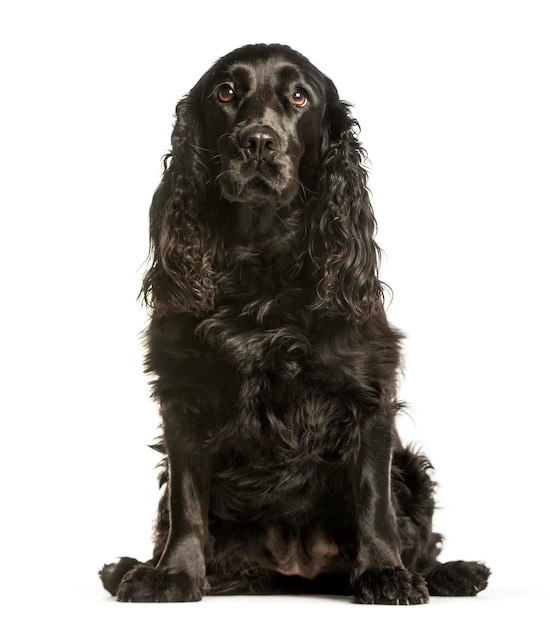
[[226, 93], [298, 97]]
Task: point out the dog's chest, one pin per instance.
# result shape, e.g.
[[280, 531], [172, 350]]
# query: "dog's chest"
[[291, 405]]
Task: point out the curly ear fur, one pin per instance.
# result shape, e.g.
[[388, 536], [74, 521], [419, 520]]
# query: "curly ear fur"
[[342, 222], [180, 278]]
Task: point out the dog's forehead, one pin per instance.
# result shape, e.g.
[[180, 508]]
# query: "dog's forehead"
[[265, 73]]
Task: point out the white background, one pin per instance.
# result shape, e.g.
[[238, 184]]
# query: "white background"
[[453, 102]]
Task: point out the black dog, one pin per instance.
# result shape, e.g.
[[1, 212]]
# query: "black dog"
[[274, 364]]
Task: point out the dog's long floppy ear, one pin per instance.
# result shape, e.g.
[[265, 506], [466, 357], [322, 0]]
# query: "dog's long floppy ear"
[[341, 222], [180, 277]]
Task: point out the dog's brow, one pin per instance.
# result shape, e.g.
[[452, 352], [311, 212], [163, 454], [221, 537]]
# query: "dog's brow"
[[289, 72], [253, 76], [241, 72]]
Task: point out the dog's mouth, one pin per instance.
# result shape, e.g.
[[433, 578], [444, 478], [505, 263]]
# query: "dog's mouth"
[[251, 181]]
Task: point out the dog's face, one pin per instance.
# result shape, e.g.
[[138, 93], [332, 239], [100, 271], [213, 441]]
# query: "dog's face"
[[263, 115]]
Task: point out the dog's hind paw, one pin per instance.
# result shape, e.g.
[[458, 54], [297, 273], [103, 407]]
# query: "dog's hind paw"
[[113, 573], [458, 578]]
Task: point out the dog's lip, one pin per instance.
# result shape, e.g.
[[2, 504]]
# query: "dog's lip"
[[251, 168], [257, 189], [251, 174], [253, 188]]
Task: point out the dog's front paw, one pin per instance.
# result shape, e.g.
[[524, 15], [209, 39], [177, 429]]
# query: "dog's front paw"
[[391, 585], [146, 584]]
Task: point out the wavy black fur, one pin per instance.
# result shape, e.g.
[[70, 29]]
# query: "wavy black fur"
[[273, 363]]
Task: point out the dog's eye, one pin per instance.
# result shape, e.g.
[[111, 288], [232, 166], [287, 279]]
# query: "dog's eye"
[[226, 93], [298, 97]]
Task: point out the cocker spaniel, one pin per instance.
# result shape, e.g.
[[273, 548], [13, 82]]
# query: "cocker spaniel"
[[272, 360]]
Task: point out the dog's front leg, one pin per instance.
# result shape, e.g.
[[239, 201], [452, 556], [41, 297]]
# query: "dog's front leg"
[[179, 575], [379, 575], [183, 555]]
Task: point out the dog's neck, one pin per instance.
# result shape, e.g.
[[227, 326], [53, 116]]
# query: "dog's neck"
[[262, 225]]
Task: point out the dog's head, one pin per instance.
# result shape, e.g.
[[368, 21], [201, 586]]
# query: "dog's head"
[[261, 112]]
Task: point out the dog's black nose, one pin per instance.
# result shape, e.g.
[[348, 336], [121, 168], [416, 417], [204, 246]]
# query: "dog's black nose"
[[259, 143]]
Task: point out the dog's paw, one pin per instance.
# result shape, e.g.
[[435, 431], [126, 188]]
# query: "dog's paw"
[[458, 578], [391, 585], [113, 573], [146, 584]]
